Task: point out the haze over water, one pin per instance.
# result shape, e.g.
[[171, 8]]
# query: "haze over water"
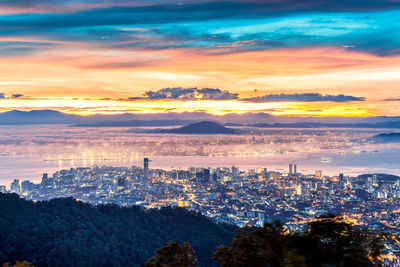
[[29, 151]]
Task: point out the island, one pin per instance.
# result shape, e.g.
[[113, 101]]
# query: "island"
[[386, 138], [204, 127]]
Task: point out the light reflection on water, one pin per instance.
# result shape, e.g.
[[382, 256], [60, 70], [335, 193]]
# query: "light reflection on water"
[[28, 151]]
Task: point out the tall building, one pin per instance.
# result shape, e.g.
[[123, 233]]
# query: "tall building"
[[146, 165], [295, 169], [46, 181], [14, 187], [374, 179], [290, 169], [265, 173], [200, 175], [341, 181], [26, 186], [206, 175], [2, 189], [318, 174], [215, 177], [298, 190], [45, 178], [235, 171]]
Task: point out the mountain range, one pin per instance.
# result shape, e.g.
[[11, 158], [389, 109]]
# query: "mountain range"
[[261, 120]]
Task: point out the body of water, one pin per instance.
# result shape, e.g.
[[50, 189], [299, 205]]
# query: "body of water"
[[26, 152]]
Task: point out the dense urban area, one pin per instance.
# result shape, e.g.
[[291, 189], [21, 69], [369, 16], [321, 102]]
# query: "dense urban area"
[[234, 196]]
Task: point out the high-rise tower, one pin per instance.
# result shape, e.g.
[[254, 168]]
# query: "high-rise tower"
[[146, 165]]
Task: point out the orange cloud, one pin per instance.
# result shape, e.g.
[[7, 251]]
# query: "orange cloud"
[[91, 71]]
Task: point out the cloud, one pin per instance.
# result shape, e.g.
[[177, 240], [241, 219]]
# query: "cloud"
[[179, 93], [307, 97], [17, 48], [3, 96], [271, 5], [216, 94], [392, 99], [213, 25]]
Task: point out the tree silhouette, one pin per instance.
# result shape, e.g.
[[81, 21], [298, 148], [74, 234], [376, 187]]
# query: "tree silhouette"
[[173, 255], [260, 247], [327, 241]]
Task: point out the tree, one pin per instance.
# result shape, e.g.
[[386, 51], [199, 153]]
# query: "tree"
[[327, 241], [260, 247], [294, 259], [173, 255], [337, 242]]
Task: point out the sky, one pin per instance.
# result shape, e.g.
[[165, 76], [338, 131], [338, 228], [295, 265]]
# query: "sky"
[[286, 57]]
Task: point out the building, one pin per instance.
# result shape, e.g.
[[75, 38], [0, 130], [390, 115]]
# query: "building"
[[200, 175], [235, 171], [215, 177], [26, 186], [46, 181], [341, 181], [14, 187], [318, 174], [295, 169], [290, 169], [206, 175], [146, 165]]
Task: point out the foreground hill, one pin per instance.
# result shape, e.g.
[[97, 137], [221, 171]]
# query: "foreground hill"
[[65, 232], [204, 127]]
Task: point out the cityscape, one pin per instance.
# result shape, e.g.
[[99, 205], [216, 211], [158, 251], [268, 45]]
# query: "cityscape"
[[199, 133], [234, 196]]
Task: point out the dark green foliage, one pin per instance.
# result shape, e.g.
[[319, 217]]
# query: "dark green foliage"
[[327, 241], [173, 255], [65, 232], [259, 247]]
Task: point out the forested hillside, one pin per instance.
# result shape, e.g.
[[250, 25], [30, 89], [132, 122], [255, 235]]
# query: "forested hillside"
[[65, 232]]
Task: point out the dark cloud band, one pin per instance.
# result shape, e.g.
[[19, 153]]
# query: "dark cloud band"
[[179, 93], [308, 97], [227, 27], [187, 94]]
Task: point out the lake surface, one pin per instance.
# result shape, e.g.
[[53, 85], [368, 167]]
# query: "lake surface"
[[26, 152]]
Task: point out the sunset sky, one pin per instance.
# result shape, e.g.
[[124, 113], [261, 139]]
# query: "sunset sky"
[[286, 57]]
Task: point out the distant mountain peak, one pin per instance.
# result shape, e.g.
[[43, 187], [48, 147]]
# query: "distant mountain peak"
[[203, 127], [44, 116]]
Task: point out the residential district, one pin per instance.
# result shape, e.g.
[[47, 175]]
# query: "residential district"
[[231, 195]]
